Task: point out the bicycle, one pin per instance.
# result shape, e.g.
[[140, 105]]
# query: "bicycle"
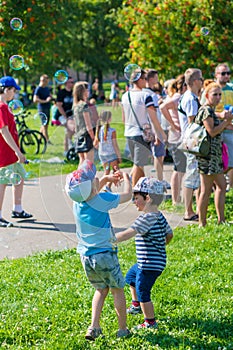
[[30, 141]]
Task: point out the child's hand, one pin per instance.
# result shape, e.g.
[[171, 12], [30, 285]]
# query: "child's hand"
[[114, 178]]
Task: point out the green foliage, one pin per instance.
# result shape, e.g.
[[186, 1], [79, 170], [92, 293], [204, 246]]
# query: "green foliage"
[[46, 298], [58, 34], [167, 34]]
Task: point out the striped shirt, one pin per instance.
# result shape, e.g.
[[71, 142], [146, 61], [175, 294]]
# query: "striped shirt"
[[150, 240]]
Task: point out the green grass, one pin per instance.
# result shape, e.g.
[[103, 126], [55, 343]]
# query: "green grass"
[[39, 165], [46, 298]]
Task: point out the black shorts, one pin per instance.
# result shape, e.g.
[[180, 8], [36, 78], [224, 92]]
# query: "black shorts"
[[84, 143]]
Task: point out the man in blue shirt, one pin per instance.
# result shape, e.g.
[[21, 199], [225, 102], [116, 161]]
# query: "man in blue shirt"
[[43, 97]]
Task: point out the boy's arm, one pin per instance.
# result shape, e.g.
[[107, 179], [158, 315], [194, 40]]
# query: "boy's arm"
[[126, 195], [115, 178], [125, 235], [169, 237]]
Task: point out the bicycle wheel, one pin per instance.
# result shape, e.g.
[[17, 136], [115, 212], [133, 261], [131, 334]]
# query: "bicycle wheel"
[[29, 143], [72, 155], [41, 140]]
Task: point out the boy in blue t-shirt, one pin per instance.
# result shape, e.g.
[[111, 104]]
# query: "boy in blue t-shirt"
[[152, 233], [96, 239]]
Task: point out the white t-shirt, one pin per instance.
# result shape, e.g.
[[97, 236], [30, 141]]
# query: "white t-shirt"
[[189, 105], [140, 100]]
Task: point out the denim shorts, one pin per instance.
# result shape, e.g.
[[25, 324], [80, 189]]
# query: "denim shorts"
[[143, 281], [103, 270], [159, 150], [5, 172], [192, 176]]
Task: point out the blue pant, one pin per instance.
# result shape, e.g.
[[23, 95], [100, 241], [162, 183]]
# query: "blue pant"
[[143, 281]]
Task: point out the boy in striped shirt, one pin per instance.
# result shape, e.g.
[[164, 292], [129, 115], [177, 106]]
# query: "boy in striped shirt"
[[152, 233]]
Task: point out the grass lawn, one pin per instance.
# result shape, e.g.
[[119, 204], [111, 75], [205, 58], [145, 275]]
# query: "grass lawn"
[[46, 299]]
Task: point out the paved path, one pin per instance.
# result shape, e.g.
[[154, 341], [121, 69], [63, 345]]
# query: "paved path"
[[53, 227]]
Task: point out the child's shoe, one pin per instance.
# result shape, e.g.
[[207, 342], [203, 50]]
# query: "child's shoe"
[[146, 324], [93, 333], [4, 223], [123, 333], [134, 310]]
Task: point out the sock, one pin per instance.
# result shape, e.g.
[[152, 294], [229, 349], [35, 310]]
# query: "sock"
[[18, 208], [150, 320], [0, 214], [135, 303]]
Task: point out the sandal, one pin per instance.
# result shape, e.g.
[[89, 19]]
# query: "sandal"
[[4, 223], [193, 218], [22, 215]]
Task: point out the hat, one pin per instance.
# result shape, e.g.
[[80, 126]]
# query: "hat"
[[149, 185], [79, 182], [8, 82]]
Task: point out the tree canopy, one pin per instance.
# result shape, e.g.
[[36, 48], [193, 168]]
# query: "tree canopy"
[[172, 35], [82, 35], [99, 36]]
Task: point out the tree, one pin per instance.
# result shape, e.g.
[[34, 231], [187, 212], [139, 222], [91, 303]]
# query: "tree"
[[83, 35], [169, 34]]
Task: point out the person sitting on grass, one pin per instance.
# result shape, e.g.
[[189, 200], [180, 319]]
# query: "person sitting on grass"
[[96, 239], [152, 233]]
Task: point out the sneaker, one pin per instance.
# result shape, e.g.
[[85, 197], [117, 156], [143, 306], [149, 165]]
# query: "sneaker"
[[166, 184], [123, 333], [134, 310], [93, 333], [147, 325], [22, 215], [4, 223]]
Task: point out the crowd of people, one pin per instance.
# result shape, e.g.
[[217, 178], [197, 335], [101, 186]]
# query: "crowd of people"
[[166, 111], [147, 109]]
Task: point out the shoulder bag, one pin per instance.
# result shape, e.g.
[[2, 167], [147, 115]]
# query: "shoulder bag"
[[195, 140]]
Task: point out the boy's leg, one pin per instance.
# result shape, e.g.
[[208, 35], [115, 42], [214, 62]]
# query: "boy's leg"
[[148, 310], [17, 193], [120, 306], [144, 282], [2, 193], [131, 280], [97, 306]]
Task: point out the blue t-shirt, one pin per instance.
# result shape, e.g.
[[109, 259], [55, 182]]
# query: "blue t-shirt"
[[43, 93], [93, 225]]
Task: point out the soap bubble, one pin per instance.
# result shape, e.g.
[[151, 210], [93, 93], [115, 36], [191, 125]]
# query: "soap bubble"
[[15, 179], [16, 107], [132, 72], [41, 118], [30, 175], [205, 31], [61, 76], [16, 23], [16, 62]]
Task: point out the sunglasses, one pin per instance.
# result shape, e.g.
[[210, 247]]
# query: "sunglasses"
[[217, 94], [225, 73], [201, 79]]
